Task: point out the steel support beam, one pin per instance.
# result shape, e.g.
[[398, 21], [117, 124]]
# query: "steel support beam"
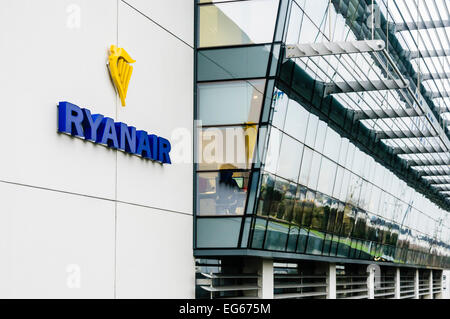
[[443, 180], [427, 54], [435, 173], [420, 149], [435, 76], [445, 187], [436, 95], [427, 162], [443, 109], [403, 134], [332, 48], [364, 86], [386, 113], [419, 26]]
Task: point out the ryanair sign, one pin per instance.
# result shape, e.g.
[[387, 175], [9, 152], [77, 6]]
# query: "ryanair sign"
[[99, 129]]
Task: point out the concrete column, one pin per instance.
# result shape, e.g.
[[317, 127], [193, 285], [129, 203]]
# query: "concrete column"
[[430, 285], [440, 295], [397, 283], [265, 281], [445, 284], [371, 283], [416, 284], [331, 281]]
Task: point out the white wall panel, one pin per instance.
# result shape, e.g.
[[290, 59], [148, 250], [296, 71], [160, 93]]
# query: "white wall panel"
[[46, 236], [55, 245], [160, 101], [176, 16], [46, 58], [154, 253]]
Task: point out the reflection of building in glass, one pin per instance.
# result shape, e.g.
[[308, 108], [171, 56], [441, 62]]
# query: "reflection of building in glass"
[[331, 178]]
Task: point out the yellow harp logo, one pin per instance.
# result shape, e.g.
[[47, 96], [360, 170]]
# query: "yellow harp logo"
[[120, 69]]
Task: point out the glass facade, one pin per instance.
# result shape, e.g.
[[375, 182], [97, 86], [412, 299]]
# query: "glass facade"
[[275, 174]]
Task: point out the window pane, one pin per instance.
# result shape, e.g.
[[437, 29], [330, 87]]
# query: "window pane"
[[222, 193], [234, 23], [348, 220], [245, 232], [259, 233], [344, 188], [315, 242], [298, 205], [320, 136], [290, 158], [312, 130], [233, 63], [293, 237], [343, 151], [280, 101], [296, 121], [266, 195], [232, 102], [361, 225], [279, 192], [295, 21], [343, 247], [229, 147], [315, 170], [308, 208], [302, 239], [338, 182], [218, 232], [327, 176], [273, 151], [286, 207], [339, 218], [333, 215], [332, 145], [277, 234], [321, 212]]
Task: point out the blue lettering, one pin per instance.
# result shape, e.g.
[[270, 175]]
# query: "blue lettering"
[[153, 139], [164, 148], [107, 133], [91, 124], [143, 144], [127, 137], [80, 122], [70, 118]]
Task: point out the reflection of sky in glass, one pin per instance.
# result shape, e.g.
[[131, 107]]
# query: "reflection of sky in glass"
[[413, 137], [255, 18]]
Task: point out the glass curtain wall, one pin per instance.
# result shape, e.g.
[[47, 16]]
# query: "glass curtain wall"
[[270, 173], [236, 60]]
